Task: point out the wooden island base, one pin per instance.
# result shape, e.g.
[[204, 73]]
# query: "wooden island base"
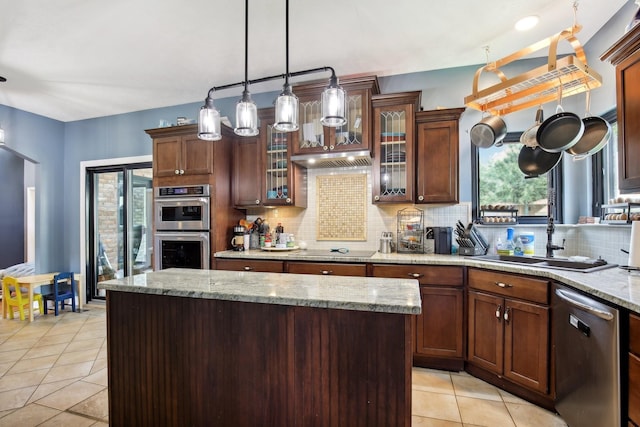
[[205, 362]]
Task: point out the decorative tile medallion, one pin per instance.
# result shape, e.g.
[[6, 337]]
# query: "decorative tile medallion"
[[342, 207]]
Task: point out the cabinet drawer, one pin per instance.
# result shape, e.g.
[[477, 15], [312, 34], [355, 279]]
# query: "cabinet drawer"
[[634, 334], [250, 265], [425, 274], [510, 285], [324, 268]]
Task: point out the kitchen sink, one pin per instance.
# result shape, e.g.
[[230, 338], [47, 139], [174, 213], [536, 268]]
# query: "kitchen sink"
[[569, 264]]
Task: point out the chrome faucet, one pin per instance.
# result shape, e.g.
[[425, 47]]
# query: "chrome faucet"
[[550, 225]]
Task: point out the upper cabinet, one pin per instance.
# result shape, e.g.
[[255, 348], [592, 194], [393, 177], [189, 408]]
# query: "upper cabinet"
[[263, 174], [625, 55], [353, 136], [437, 156], [177, 151], [393, 145]]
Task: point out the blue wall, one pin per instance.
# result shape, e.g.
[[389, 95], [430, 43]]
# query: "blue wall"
[[60, 147]]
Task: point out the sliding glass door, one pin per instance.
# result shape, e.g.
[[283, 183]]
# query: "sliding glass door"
[[120, 223]]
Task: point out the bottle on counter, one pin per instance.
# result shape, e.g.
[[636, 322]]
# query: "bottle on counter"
[[518, 247]]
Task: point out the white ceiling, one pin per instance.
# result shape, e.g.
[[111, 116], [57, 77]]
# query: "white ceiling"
[[77, 59]]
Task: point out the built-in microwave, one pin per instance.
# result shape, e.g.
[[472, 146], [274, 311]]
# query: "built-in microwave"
[[181, 249], [182, 208]]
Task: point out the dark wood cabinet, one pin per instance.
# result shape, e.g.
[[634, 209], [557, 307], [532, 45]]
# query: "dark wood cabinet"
[[509, 327], [625, 55], [263, 174], [437, 156], [393, 145], [266, 266], [439, 330], [325, 268], [353, 136], [180, 153]]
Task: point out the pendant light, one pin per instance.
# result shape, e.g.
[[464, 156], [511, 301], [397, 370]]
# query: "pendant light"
[[287, 102], [209, 122], [246, 110], [333, 104]]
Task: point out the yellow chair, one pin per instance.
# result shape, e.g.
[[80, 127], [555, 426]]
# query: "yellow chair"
[[14, 298]]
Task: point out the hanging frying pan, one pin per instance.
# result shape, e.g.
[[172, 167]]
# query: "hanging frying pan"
[[561, 131], [597, 133], [534, 162], [528, 137]]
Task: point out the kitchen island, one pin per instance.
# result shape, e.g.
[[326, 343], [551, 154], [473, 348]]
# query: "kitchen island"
[[201, 347]]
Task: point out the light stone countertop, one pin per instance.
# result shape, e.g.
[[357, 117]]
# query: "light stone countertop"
[[400, 296], [613, 285]]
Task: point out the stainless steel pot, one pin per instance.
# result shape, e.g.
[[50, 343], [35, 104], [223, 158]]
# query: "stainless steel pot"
[[529, 136], [490, 131]]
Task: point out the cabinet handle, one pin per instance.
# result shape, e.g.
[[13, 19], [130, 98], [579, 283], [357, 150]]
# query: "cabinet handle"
[[420, 198], [376, 198], [325, 148], [331, 147], [326, 272], [503, 285], [257, 201], [498, 312], [247, 268], [177, 172], [288, 200], [506, 314], [181, 171], [415, 275]]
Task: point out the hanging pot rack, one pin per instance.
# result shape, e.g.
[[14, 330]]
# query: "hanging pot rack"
[[538, 86]]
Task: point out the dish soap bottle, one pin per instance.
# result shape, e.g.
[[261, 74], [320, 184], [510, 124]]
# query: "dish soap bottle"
[[518, 247], [508, 245]]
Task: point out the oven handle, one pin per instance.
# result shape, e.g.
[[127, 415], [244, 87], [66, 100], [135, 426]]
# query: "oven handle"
[[181, 235], [172, 200]]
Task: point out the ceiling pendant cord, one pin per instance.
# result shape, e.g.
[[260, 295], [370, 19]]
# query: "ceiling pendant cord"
[[246, 110], [286, 119]]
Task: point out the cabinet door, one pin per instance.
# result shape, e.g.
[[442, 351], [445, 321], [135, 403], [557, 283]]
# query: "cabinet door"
[[196, 155], [250, 265], [486, 332], [628, 94], [167, 156], [439, 329], [353, 136], [436, 156], [526, 344], [634, 388], [324, 268], [247, 172]]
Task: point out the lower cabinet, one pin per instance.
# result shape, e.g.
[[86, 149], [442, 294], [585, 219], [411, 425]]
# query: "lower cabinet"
[[324, 268], [439, 330], [634, 370], [509, 328], [266, 266]]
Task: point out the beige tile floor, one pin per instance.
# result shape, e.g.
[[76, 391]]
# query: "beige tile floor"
[[53, 372]]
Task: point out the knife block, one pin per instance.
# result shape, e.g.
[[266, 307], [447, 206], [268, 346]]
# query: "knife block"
[[471, 251]]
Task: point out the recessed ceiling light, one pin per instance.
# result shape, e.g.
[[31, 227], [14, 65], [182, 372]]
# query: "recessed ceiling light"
[[527, 23]]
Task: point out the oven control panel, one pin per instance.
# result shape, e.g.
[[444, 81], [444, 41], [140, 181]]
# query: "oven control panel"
[[185, 190]]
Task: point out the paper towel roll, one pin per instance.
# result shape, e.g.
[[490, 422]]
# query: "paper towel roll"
[[634, 245]]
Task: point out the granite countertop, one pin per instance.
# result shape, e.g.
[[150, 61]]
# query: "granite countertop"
[[400, 296], [613, 285]]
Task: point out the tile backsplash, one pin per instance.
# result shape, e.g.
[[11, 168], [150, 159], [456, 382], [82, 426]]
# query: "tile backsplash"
[[592, 240], [303, 223]]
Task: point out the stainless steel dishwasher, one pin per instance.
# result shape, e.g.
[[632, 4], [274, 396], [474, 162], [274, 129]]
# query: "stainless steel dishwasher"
[[587, 359]]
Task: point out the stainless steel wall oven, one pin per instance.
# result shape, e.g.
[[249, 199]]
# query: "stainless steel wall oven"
[[182, 221]]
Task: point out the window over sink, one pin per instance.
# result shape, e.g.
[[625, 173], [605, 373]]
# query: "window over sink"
[[502, 195]]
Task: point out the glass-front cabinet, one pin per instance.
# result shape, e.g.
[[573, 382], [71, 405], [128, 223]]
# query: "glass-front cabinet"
[[312, 137], [393, 141]]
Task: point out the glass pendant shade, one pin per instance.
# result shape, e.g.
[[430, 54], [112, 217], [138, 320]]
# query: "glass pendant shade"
[[286, 111], [1, 136], [333, 105], [209, 122], [246, 116]]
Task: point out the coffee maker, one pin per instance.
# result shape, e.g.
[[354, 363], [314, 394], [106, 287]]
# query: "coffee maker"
[[237, 242]]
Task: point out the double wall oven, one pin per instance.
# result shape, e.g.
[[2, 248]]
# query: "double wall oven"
[[182, 226]]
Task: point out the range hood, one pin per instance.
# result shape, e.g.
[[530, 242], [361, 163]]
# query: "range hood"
[[333, 159]]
